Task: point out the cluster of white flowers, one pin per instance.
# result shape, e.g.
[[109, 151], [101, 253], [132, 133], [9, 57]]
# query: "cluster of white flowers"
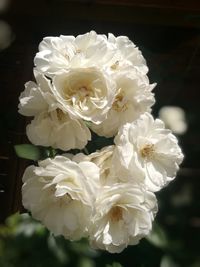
[[95, 83]]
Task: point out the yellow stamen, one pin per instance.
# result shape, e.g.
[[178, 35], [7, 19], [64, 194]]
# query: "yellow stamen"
[[147, 151]]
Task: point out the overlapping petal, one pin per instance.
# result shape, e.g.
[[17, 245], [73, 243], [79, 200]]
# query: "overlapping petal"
[[146, 146], [59, 194], [124, 214]]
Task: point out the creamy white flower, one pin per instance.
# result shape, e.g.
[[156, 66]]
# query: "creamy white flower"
[[66, 52], [59, 194], [146, 146], [51, 126], [58, 130], [36, 97], [124, 214], [91, 49], [133, 97], [127, 55], [103, 159], [84, 93]]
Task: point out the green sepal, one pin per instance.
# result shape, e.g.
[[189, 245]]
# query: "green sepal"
[[28, 151]]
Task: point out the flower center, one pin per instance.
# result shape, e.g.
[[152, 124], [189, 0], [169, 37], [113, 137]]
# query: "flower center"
[[79, 92], [147, 151], [119, 103], [84, 91], [116, 214]]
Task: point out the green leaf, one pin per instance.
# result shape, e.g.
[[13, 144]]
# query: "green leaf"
[[85, 262], [167, 261], [28, 151], [158, 237]]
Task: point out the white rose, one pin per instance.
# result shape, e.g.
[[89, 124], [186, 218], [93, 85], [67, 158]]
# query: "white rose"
[[103, 159], [58, 130], [66, 52], [84, 93], [124, 214], [51, 126], [88, 50], [36, 97], [58, 193], [127, 55], [133, 97], [146, 146]]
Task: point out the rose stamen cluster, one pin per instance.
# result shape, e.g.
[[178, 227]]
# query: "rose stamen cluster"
[[147, 151], [94, 83]]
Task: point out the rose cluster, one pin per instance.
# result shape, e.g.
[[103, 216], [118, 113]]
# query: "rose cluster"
[[94, 83]]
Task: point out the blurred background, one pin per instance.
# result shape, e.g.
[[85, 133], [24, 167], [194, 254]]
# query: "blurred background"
[[168, 34]]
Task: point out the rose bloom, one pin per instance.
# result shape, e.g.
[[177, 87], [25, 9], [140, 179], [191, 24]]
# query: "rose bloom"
[[127, 55], [145, 146], [84, 93], [58, 130], [133, 97], [59, 194], [88, 50], [51, 126], [124, 214]]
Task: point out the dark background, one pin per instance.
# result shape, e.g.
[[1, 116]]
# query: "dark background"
[[168, 34]]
